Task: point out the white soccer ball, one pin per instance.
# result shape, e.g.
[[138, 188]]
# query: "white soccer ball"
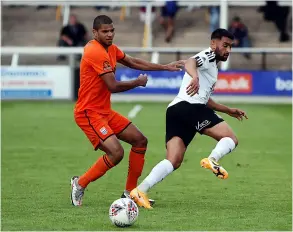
[[123, 212]]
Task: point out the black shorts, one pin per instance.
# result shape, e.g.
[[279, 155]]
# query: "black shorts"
[[185, 119]]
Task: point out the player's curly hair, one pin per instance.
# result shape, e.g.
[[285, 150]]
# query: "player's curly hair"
[[220, 32], [101, 19]]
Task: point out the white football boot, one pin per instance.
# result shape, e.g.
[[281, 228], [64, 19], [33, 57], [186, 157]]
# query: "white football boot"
[[77, 192]]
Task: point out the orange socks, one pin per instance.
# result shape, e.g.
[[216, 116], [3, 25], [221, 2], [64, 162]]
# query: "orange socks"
[[102, 165], [136, 162]]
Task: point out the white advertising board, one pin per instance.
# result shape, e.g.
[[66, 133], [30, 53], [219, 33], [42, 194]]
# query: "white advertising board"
[[36, 82]]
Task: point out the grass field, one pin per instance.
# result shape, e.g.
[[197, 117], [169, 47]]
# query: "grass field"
[[42, 149]]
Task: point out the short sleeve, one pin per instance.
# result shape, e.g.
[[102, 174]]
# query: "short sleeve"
[[202, 61], [99, 60], [119, 54]]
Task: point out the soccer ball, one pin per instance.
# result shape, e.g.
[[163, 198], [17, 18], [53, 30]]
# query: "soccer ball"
[[123, 212]]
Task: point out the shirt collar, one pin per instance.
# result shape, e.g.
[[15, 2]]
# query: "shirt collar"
[[211, 50]]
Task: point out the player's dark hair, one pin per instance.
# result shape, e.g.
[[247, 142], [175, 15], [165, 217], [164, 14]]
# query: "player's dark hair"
[[220, 32], [101, 19]]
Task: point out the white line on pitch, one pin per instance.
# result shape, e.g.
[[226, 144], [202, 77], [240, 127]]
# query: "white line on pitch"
[[134, 111]]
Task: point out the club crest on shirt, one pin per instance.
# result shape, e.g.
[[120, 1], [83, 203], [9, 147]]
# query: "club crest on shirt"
[[107, 66], [103, 130]]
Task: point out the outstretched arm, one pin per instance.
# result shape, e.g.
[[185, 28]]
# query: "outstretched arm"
[[136, 63], [233, 112], [115, 86]]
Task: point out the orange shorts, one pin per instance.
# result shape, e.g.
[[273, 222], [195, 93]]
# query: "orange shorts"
[[99, 126]]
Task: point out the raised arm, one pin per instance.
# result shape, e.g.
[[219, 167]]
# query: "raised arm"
[[136, 63]]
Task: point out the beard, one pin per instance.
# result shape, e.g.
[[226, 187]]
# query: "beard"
[[220, 57]]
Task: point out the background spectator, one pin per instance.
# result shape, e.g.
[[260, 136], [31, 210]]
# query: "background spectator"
[[73, 35], [214, 13], [168, 14], [279, 15], [240, 31]]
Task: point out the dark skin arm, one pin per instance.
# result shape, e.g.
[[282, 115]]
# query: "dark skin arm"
[[233, 112], [115, 86], [136, 63]]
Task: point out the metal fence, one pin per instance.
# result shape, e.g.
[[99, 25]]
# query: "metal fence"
[[16, 52]]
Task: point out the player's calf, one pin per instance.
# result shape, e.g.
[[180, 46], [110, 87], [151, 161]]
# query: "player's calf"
[[175, 151], [227, 140], [136, 164], [223, 147], [133, 136]]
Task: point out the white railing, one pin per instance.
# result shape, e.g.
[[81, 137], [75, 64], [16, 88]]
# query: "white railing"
[[79, 50], [139, 2], [224, 4], [148, 35], [155, 51]]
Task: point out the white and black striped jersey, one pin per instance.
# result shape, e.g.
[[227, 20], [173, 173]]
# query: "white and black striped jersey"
[[207, 74]]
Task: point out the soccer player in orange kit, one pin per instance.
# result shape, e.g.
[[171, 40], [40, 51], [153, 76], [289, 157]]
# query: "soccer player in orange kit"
[[93, 114]]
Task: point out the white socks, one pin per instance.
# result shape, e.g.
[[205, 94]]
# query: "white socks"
[[223, 147], [158, 173], [165, 167]]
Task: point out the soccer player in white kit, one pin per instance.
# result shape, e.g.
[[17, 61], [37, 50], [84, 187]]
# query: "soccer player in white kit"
[[193, 111]]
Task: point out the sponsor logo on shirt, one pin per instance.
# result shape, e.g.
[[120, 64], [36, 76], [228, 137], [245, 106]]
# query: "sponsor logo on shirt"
[[107, 66]]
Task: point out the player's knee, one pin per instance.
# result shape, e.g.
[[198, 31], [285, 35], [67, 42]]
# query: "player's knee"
[[117, 153], [144, 141], [235, 140], [141, 141], [177, 165], [176, 162]]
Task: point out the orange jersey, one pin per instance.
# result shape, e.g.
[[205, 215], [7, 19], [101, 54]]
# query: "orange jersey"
[[96, 61]]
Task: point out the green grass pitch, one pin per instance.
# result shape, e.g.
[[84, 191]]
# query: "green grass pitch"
[[42, 148]]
